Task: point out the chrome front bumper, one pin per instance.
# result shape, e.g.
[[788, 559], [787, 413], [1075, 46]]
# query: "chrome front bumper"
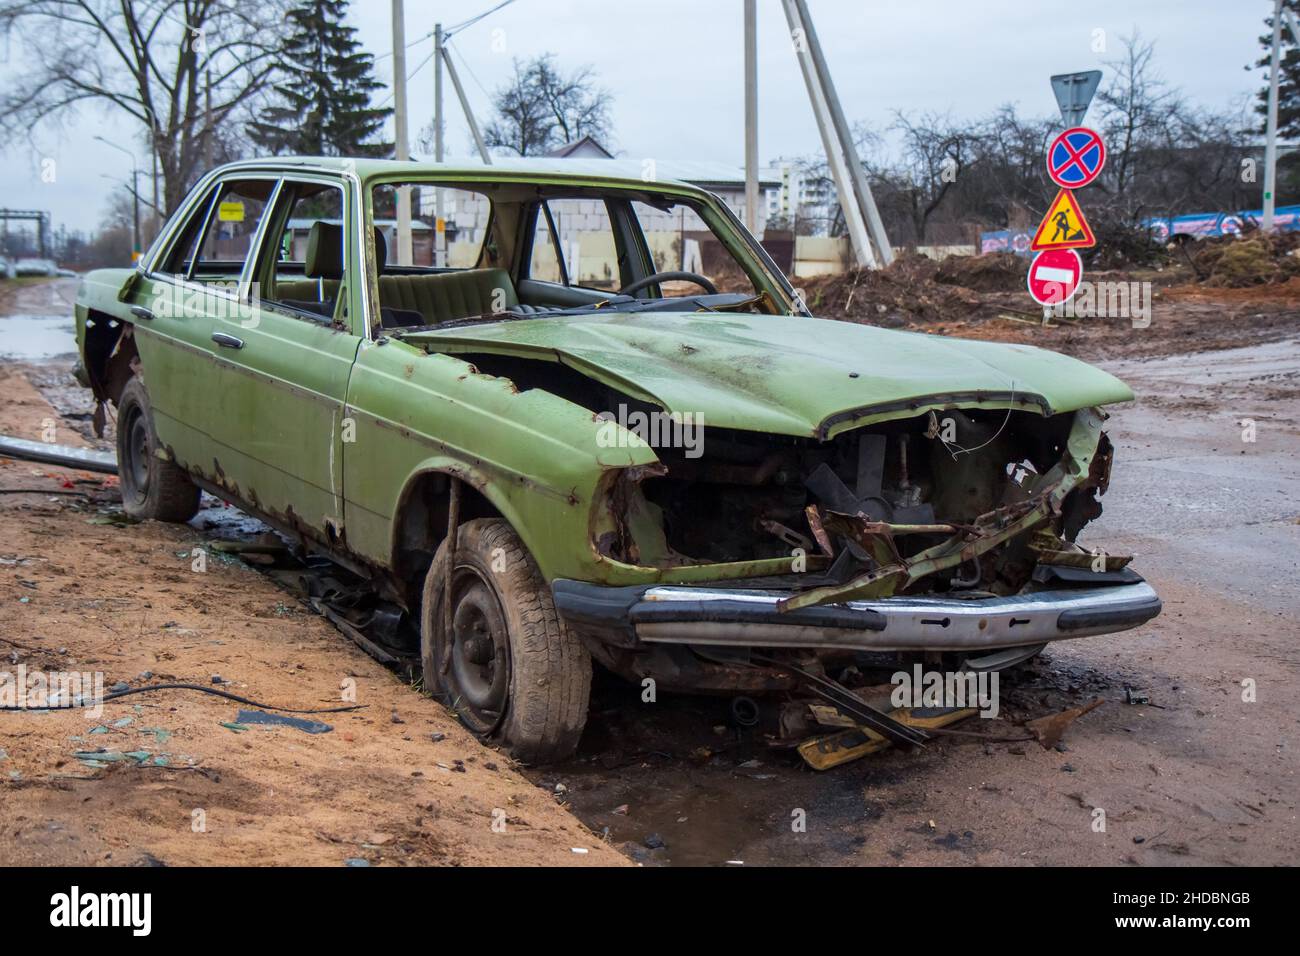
[[747, 618]]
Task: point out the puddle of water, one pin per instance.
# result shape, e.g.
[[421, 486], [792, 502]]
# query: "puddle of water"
[[34, 337]]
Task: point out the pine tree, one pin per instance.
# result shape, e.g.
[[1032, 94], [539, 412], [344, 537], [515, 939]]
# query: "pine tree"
[[1288, 88], [325, 100]]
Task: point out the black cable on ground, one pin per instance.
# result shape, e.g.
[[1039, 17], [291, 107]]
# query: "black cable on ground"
[[115, 695]]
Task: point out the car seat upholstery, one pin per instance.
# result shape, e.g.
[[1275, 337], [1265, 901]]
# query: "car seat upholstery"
[[446, 296], [405, 299], [323, 265]]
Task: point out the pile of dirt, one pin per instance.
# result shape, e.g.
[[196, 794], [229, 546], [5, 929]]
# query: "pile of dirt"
[[993, 272], [1256, 258], [912, 288]]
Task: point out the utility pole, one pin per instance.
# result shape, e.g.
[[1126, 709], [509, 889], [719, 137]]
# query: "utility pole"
[[404, 252], [439, 222], [854, 222], [858, 177], [751, 116], [1270, 141]]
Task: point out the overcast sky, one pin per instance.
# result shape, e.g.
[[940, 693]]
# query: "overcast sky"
[[674, 69]]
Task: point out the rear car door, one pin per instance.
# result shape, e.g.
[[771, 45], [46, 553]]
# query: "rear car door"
[[283, 365]]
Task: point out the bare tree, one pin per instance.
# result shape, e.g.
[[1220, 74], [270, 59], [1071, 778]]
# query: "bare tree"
[[1136, 107], [935, 152], [180, 68], [541, 107]]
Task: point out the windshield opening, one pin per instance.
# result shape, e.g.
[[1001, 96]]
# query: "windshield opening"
[[520, 249]]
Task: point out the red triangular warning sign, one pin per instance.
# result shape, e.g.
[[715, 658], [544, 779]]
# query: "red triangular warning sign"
[[1064, 226]]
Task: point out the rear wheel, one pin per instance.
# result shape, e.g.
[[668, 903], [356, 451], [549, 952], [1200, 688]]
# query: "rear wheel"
[[509, 668], [152, 487]]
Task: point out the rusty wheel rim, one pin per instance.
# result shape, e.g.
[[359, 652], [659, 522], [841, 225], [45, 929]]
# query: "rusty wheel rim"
[[135, 467], [477, 653]]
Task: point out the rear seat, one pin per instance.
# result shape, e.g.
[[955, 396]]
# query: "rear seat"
[[427, 299], [446, 296]]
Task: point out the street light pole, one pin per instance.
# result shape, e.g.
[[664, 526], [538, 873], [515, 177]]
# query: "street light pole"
[[135, 197], [135, 226]]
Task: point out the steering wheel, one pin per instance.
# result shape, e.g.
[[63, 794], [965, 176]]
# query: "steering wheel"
[[701, 281]]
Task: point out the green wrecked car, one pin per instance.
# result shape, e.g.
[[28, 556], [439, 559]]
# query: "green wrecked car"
[[706, 487]]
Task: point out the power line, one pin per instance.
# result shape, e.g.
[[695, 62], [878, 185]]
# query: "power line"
[[456, 28], [469, 69], [446, 36], [427, 36], [410, 76]]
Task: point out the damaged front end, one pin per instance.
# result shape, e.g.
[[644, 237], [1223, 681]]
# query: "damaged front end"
[[953, 529]]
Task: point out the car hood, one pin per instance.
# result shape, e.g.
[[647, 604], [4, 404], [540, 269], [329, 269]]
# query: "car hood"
[[785, 374]]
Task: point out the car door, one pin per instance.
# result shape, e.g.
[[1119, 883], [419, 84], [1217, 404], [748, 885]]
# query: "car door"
[[283, 364]]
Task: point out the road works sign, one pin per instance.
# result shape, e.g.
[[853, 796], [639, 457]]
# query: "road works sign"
[[1064, 226], [1054, 276], [1075, 157]]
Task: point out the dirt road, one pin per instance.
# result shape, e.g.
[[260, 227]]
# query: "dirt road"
[[171, 777], [1198, 776]]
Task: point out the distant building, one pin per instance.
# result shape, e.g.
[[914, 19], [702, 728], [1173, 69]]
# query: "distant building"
[[802, 203], [584, 148]]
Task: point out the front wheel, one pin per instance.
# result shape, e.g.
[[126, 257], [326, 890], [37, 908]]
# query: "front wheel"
[[152, 487], [510, 668]]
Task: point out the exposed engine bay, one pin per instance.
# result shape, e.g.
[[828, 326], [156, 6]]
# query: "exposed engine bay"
[[876, 498]]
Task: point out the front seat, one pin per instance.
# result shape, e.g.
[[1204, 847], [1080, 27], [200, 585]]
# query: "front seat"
[[323, 266]]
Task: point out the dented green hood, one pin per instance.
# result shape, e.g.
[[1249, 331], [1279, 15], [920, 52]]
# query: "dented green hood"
[[788, 375]]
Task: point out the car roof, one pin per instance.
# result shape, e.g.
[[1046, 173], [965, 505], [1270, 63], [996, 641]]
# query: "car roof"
[[623, 172]]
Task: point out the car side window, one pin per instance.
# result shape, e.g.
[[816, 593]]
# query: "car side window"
[[307, 271], [230, 230], [182, 252]]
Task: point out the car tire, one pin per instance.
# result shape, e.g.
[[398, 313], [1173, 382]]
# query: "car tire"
[[512, 672], [152, 487]]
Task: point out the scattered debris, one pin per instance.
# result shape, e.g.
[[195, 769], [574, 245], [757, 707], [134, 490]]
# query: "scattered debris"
[[1135, 697], [832, 750], [1048, 730], [245, 717]]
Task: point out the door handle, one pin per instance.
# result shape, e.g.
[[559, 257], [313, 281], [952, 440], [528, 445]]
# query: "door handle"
[[227, 341], [140, 312]]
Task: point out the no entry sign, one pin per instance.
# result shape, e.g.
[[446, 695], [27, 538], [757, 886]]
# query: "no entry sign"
[[1054, 276], [1075, 157]]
